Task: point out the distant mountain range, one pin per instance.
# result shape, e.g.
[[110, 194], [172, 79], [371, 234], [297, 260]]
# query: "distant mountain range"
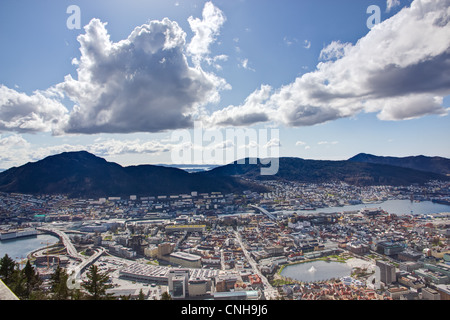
[[320, 171], [428, 164], [81, 174]]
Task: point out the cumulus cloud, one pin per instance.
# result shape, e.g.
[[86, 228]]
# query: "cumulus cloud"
[[335, 50], [399, 70], [253, 110], [16, 150], [143, 83], [20, 112], [112, 147], [140, 84], [205, 31]]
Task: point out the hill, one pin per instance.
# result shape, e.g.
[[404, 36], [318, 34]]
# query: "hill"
[[423, 163], [81, 174], [319, 171]]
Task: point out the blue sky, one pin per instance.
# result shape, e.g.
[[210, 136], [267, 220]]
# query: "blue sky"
[[138, 71]]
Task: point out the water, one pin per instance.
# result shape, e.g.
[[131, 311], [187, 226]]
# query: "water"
[[317, 271], [18, 249], [399, 207]]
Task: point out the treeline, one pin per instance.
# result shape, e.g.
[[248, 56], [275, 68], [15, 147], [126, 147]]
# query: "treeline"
[[27, 285]]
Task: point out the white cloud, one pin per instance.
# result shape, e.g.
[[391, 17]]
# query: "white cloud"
[[112, 147], [205, 31], [20, 112], [244, 64], [289, 41], [391, 4], [140, 84], [253, 110], [16, 150], [335, 50], [327, 142], [399, 70]]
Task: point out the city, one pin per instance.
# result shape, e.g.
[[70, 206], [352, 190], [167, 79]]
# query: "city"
[[229, 157], [214, 246]]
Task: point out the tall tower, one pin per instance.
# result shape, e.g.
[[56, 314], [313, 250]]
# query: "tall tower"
[[386, 272]]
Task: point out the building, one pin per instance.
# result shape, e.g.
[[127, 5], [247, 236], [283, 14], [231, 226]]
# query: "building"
[[409, 266], [198, 287], [409, 255], [165, 249], [386, 272], [389, 248], [444, 291], [185, 227], [178, 283], [358, 248], [396, 292], [430, 294], [225, 282], [185, 259]]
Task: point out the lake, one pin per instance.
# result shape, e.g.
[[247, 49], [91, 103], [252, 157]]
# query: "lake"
[[18, 249], [316, 271]]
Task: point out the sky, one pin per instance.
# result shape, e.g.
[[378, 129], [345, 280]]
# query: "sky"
[[136, 81]]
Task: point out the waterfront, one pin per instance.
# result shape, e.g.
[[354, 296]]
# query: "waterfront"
[[18, 249], [399, 207], [316, 271]]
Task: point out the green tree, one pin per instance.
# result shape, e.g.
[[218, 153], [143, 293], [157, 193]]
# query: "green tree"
[[58, 284], [31, 280], [141, 295], [18, 284], [7, 266], [166, 296], [97, 284]]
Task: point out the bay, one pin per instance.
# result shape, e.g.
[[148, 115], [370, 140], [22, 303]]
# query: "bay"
[[18, 249], [399, 207]]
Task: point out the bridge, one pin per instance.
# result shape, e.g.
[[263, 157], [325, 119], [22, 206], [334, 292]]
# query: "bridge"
[[71, 251], [267, 213]]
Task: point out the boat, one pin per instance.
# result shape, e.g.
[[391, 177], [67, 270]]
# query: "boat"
[[19, 233]]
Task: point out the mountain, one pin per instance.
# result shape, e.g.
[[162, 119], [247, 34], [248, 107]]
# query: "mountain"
[[81, 174], [429, 164], [319, 171]]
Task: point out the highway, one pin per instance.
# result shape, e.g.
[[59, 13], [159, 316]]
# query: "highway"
[[270, 293], [71, 251], [74, 279]]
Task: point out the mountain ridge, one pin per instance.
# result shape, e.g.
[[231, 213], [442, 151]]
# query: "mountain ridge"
[[82, 174], [433, 164]]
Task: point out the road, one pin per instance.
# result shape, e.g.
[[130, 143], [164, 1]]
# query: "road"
[[267, 213], [71, 251], [270, 293]]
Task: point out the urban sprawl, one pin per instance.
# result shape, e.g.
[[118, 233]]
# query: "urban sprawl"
[[235, 246]]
